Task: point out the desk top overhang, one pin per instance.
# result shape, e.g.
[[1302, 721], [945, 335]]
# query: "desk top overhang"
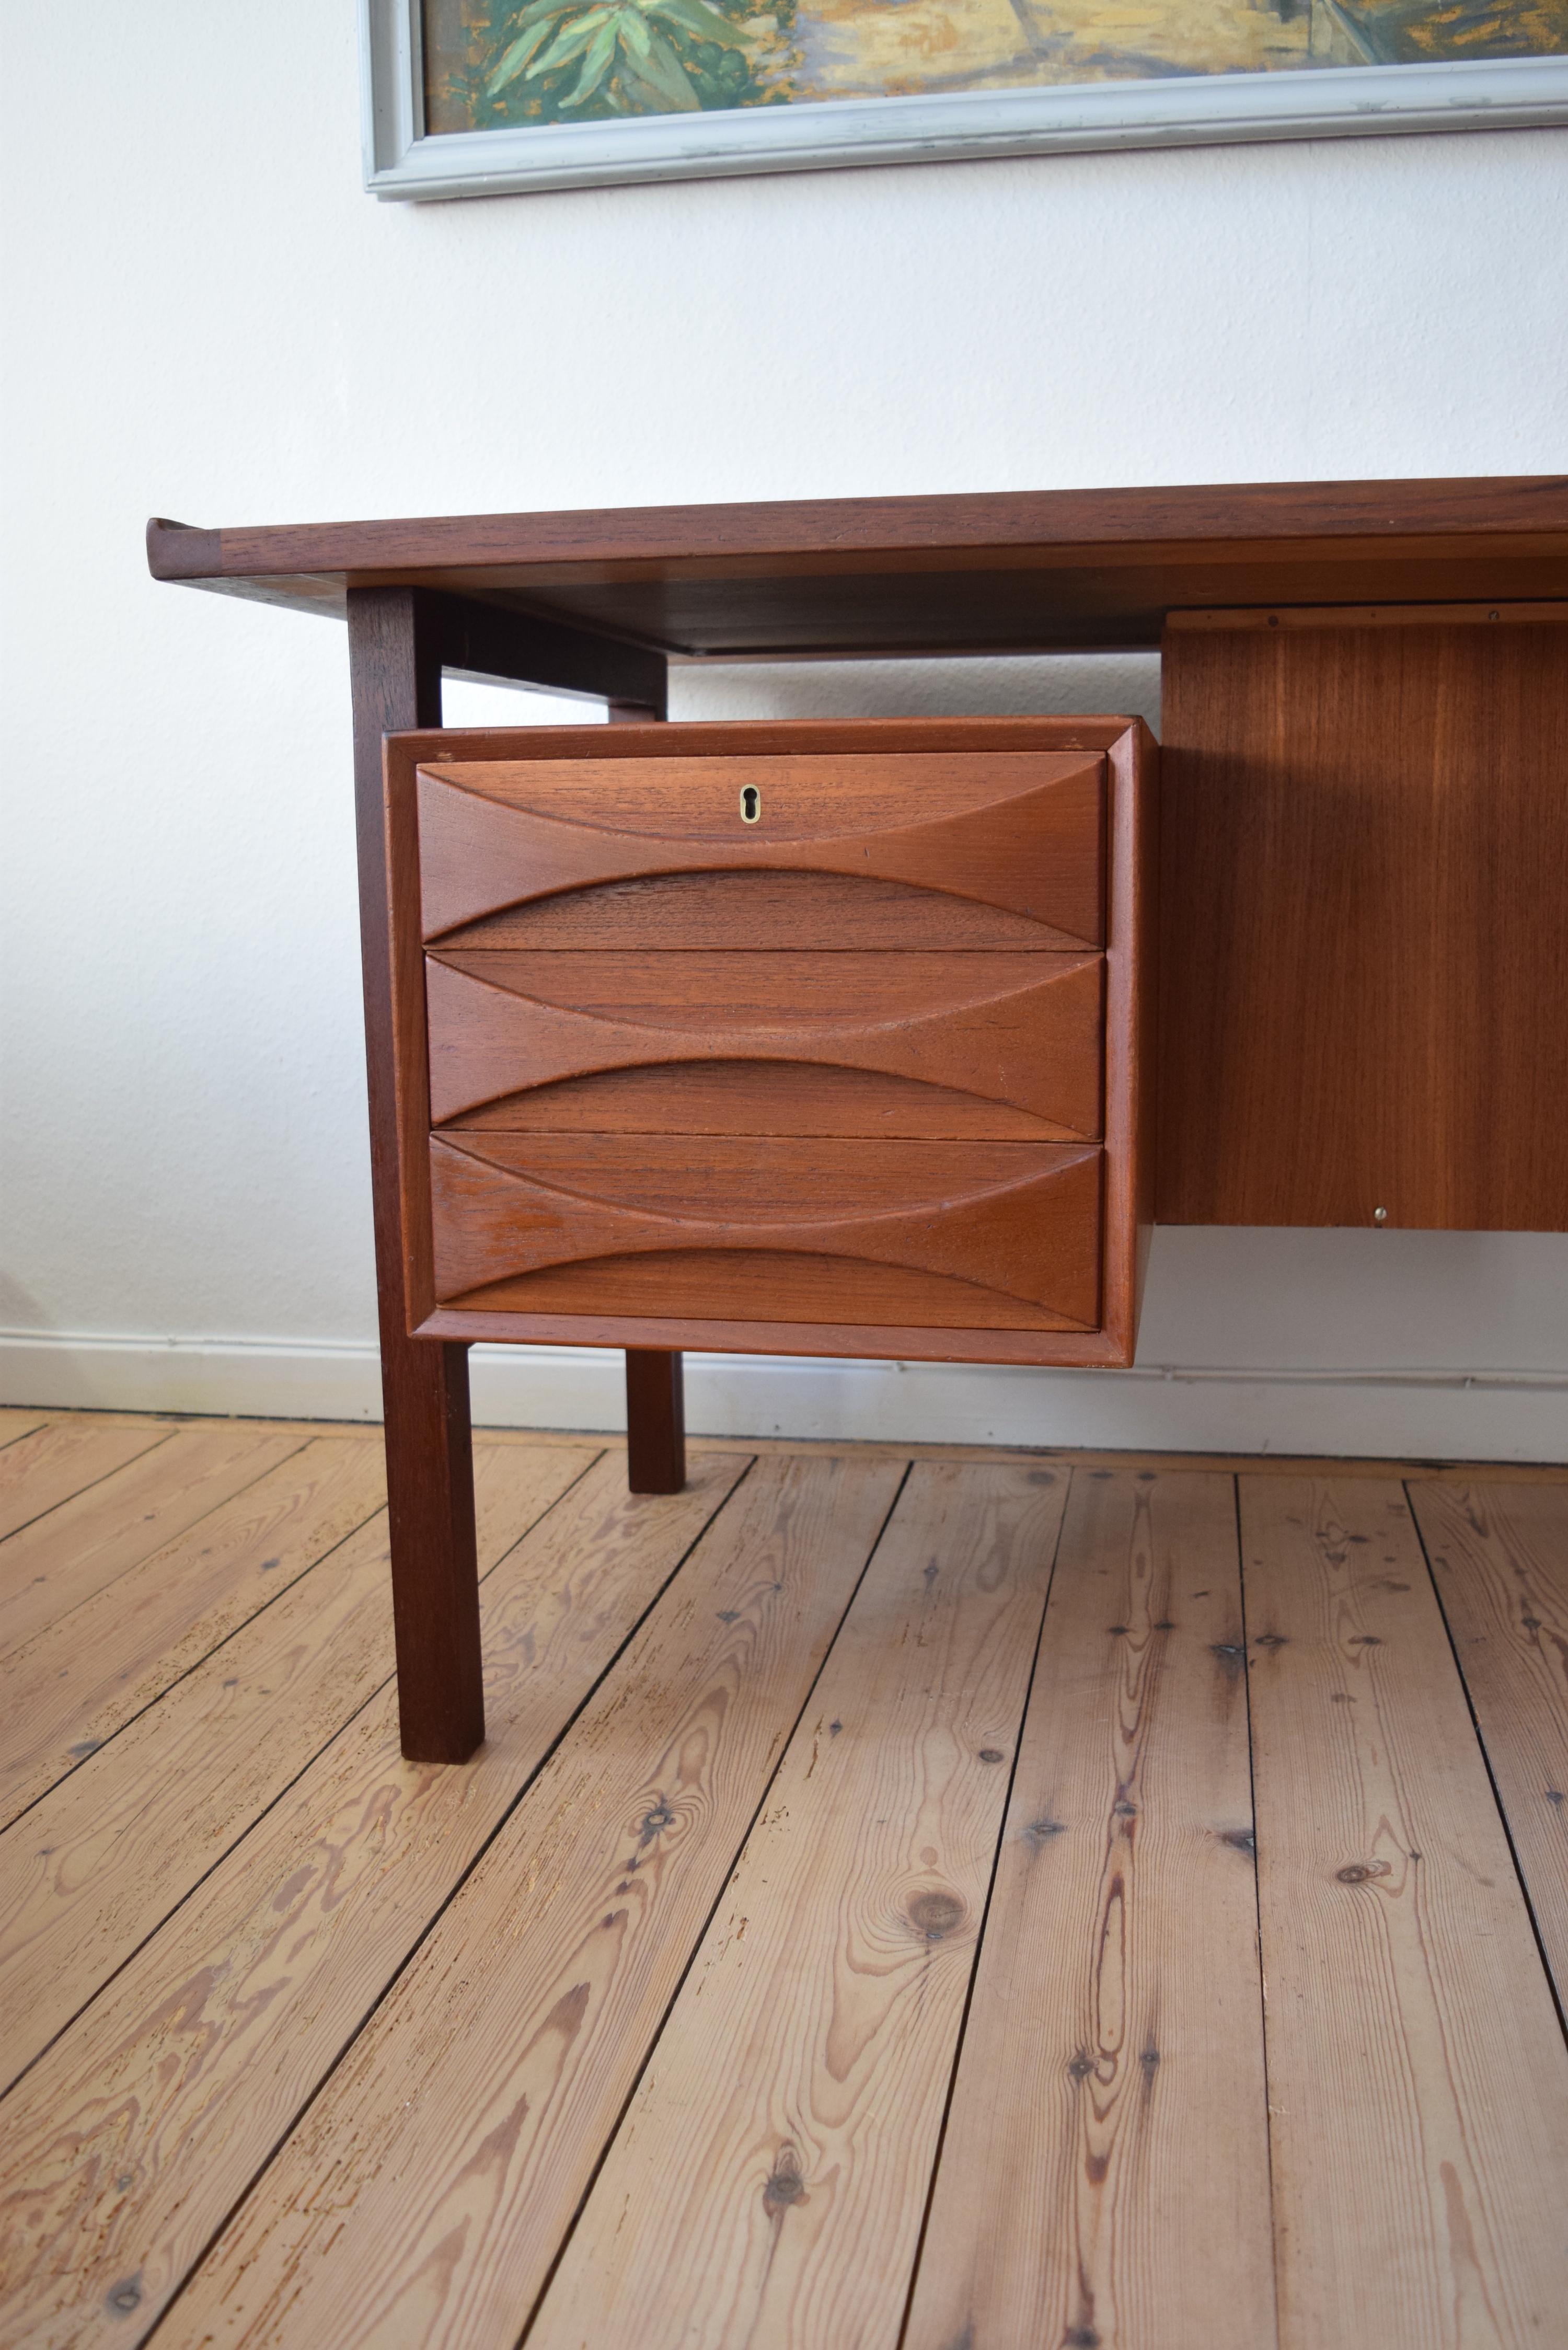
[[1018, 571]]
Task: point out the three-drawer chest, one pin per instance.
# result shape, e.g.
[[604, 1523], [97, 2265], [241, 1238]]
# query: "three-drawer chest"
[[791, 1038]]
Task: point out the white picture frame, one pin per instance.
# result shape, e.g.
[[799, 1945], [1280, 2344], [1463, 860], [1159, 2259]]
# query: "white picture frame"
[[402, 162]]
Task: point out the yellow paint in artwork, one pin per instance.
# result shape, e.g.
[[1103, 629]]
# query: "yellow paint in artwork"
[[863, 46], [844, 48]]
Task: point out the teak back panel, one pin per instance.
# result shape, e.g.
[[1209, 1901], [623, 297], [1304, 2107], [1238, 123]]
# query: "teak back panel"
[[1366, 891], [864, 1076]]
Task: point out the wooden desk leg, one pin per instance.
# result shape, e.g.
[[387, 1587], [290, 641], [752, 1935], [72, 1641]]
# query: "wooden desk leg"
[[655, 1421], [395, 667], [655, 1382]]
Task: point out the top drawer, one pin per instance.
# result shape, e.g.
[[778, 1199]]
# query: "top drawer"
[[934, 851]]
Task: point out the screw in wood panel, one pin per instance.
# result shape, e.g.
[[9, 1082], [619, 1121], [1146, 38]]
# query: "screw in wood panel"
[[751, 804], [1380, 1215]]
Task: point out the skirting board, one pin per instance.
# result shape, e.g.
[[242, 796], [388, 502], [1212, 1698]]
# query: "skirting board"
[[1385, 1414]]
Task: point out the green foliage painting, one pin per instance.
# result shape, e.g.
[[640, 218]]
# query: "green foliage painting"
[[494, 63], [566, 60]]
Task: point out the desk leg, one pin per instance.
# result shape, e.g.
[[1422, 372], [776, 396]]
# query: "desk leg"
[[655, 1421], [655, 1382], [395, 667]]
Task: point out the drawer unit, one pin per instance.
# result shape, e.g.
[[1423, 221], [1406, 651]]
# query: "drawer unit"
[[787, 1038]]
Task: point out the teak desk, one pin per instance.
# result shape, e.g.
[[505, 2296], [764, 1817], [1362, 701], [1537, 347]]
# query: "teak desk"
[[1363, 970]]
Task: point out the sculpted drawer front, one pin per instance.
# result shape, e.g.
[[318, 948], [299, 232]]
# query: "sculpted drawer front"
[[818, 1038], [888, 1045], [924, 851], [957, 1235]]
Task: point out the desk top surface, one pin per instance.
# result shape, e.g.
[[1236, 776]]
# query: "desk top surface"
[[1036, 571]]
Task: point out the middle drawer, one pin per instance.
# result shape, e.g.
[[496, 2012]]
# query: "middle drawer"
[[994, 1045]]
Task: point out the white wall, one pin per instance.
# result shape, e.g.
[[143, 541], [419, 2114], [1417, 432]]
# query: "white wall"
[[203, 316]]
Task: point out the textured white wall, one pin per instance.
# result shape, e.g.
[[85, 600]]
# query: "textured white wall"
[[205, 316]]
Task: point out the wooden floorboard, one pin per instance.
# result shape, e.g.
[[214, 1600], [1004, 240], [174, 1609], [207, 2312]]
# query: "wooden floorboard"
[[1257, 1464], [1500, 1560], [1104, 2176], [108, 1853], [83, 1679], [427, 2191], [85, 1543], [1417, 2075], [45, 1468], [1261, 1464], [775, 1976], [768, 2181], [139, 2131]]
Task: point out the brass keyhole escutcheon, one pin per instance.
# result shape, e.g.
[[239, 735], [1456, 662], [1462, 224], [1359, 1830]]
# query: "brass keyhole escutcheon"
[[751, 804]]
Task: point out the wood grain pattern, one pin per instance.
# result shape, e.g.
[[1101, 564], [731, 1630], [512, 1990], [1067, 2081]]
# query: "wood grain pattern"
[[1371, 616], [655, 1376], [738, 1097], [1032, 569], [655, 1421], [758, 912], [135, 2135], [766, 1180], [1018, 829], [1364, 867], [52, 1566], [1500, 1568], [478, 640], [108, 1853], [1019, 1220], [1024, 1032], [395, 645], [748, 738], [425, 2195], [635, 1295], [83, 1678], [15, 1422], [1295, 1464], [45, 1468], [1418, 2077], [853, 533], [767, 2182], [1088, 605], [1104, 2174], [356, 2152], [496, 1321], [867, 780], [929, 1317], [1132, 1030]]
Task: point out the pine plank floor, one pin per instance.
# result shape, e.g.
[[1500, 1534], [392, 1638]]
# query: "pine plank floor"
[[907, 1899]]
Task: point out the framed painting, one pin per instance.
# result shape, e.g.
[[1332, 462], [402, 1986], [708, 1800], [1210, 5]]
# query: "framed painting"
[[478, 96]]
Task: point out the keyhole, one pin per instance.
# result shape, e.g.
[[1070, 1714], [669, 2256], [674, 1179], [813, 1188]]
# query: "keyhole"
[[751, 804]]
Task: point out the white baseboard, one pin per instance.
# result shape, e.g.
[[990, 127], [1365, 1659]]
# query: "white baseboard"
[[1381, 1414]]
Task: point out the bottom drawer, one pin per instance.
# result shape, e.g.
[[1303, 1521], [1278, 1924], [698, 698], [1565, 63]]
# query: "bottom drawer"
[[999, 1236]]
